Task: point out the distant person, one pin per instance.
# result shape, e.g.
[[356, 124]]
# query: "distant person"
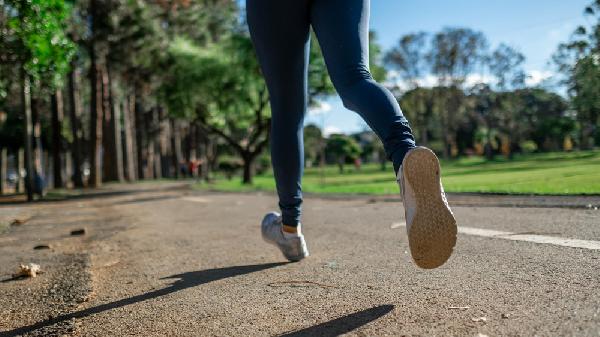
[[357, 164], [280, 31], [183, 168]]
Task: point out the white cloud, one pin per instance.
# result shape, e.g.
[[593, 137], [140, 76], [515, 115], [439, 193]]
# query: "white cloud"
[[535, 77], [473, 79], [323, 108], [330, 130], [428, 81]]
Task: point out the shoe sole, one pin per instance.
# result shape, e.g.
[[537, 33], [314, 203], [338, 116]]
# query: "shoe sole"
[[432, 234]]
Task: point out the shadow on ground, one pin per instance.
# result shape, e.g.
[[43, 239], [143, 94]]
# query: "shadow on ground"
[[185, 280], [342, 325], [88, 194]]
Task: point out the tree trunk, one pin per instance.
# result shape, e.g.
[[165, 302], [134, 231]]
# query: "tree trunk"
[[488, 149], [110, 160], [26, 105], [96, 118], [192, 143], [157, 138], [208, 158], [151, 144], [165, 145], [129, 139], [424, 136], [57, 118], [176, 157], [20, 168], [446, 138], [68, 168], [3, 169], [96, 111], [38, 150], [76, 128], [248, 159], [140, 135]]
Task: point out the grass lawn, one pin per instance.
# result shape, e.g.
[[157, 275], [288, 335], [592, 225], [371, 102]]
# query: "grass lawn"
[[549, 173]]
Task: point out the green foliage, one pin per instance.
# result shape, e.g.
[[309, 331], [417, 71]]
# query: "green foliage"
[[42, 47], [422, 106], [506, 65], [313, 142], [408, 57], [342, 148], [376, 66], [586, 86], [319, 83], [455, 52], [545, 117], [229, 165], [220, 83], [579, 62], [529, 146], [193, 70]]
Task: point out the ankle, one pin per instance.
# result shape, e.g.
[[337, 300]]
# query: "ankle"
[[290, 232], [289, 229]]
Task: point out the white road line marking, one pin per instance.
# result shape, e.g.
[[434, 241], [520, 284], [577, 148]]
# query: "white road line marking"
[[542, 239]]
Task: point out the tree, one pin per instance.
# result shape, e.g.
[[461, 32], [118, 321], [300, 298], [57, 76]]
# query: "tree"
[[579, 61], [96, 51], [408, 57], [42, 51], [222, 90], [485, 105], [506, 65], [586, 100], [420, 106], [545, 118], [313, 143], [342, 148], [454, 54]]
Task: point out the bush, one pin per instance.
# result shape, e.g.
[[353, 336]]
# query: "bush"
[[529, 146], [263, 164]]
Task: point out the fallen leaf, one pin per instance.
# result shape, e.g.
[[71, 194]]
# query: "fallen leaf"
[[28, 270], [19, 222]]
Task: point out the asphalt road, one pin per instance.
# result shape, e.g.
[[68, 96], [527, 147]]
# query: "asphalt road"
[[167, 261]]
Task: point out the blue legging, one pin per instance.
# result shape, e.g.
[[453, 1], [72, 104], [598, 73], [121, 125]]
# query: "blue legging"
[[280, 31]]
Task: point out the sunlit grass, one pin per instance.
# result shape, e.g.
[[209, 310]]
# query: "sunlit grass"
[[551, 173]]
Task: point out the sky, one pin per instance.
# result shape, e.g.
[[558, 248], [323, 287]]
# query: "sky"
[[533, 27]]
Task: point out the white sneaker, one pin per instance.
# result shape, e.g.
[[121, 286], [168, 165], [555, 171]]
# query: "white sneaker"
[[430, 224], [292, 246]]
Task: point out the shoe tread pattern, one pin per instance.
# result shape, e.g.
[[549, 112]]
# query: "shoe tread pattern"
[[432, 234]]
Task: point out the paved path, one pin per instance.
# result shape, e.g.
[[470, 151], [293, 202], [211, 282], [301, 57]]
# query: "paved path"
[[173, 262]]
